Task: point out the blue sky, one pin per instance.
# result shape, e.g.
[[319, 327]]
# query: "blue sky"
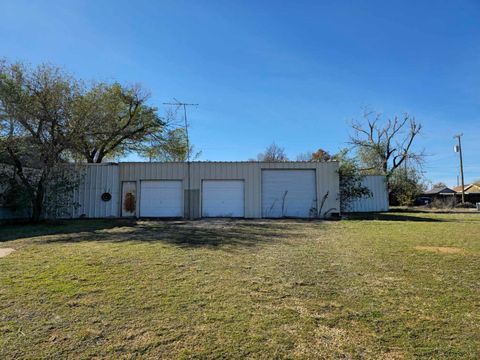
[[293, 72]]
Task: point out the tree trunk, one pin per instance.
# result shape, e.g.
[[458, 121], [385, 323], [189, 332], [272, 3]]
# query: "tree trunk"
[[37, 205], [385, 167], [99, 158], [90, 155], [100, 155]]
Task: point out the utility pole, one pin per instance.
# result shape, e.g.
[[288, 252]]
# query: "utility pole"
[[184, 105], [458, 148]]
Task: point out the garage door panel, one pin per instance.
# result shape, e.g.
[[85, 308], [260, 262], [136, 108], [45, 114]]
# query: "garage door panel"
[[288, 193], [161, 198], [223, 198]]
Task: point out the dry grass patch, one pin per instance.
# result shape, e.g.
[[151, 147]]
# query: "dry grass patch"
[[441, 249], [6, 251]]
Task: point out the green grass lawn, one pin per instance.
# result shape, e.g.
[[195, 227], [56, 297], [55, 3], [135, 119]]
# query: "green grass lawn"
[[379, 286]]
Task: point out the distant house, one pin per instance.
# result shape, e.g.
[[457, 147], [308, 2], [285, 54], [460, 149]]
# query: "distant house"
[[439, 193], [472, 192]]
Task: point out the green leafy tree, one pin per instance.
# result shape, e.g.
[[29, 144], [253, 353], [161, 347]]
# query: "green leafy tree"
[[350, 176], [321, 155], [37, 126], [406, 184], [48, 118], [169, 146], [114, 120]]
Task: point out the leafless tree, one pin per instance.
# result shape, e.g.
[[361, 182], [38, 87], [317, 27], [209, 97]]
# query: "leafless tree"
[[306, 156], [439, 185], [273, 153], [383, 146]]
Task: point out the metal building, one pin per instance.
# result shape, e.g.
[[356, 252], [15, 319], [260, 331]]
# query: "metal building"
[[209, 189], [97, 180], [216, 189], [379, 199]]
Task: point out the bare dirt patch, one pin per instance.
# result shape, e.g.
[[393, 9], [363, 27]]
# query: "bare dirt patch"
[[6, 251], [440, 249]]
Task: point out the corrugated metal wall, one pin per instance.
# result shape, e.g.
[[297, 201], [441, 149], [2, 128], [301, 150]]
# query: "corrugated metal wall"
[[98, 179], [250, 172], [379, 199]]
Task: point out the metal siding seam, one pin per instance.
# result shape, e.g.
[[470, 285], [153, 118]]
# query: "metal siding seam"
[[225, 171], [108, 205], [109, 180], [89, 192], [136, 169], [95, 190], [193, 176], [85, 180], [88, 198], [105, 187], [121, 171], [147, 171], [258, 190], [98, 205], [253, 206], [118, 185], [197, 171], [128, 170], [113, 206], [107, 177], [167, 172], [112, 190], [99, 191], [99, 202], [256, 195], [99, 188]]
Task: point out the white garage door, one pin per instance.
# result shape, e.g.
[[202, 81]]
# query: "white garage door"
[[161, 198], [288, 193], [223, 198]]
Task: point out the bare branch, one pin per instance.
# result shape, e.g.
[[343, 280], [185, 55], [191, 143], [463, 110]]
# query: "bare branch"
[[385, 146]]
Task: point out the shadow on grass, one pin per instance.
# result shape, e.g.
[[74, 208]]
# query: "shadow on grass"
[[222, 234], [390, 217], [61, 227]]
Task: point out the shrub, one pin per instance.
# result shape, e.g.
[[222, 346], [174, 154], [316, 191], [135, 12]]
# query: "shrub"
[[466, 205], [446, 203]]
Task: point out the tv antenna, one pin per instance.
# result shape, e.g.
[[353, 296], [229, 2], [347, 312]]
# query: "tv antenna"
[[180, 104]]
